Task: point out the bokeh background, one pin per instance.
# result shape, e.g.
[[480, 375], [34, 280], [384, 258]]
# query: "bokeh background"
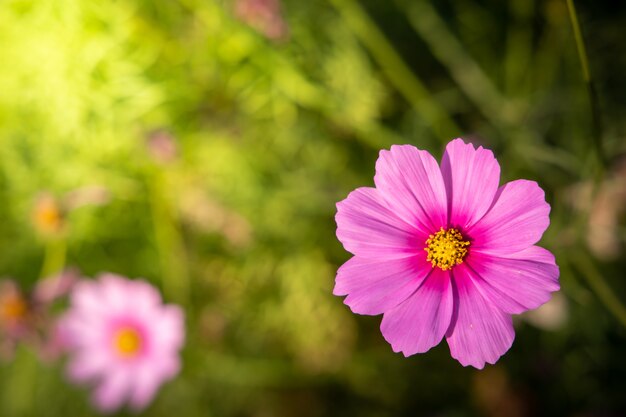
[[202, 145]]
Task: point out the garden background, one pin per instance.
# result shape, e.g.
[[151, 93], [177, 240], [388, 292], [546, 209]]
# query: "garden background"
[[203, 144]]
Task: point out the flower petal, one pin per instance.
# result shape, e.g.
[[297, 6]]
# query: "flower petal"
[[145, 297], [86, 297], [113, 390], [410, 181], [517, 219], [367, 228], [516, 285], [480, 332], [148, 379], [374, 286], [471, 177], [78, 328], [421, 321], [169, 334], [88, 365], [116, 289]]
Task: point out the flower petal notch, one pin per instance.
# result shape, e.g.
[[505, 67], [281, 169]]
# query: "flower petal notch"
[[122, 340], [444, 251]]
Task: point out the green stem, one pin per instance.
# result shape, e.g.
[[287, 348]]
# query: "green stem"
[[580, 44], [169, 243], [586, 266], [54, 257], [396, 70], [468, 75], [18, 398], [591, 91]]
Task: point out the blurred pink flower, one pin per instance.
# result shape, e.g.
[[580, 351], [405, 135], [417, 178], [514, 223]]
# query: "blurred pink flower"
[[122, 338], [264, 16], [444, 251], [604, 204], [161, 146]]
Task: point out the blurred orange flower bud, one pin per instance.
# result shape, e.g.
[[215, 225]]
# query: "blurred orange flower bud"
[[47, 216], [14, 309]]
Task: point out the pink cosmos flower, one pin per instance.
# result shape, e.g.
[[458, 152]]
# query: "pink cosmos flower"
[[121, 338], [445, 251]]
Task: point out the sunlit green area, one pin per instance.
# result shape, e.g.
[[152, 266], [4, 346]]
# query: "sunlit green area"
[[203, 144]]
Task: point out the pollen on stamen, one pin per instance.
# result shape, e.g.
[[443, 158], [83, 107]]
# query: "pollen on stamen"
[[446, 248]]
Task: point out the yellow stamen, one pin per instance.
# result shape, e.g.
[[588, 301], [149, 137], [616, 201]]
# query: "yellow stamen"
[[127, 342], [446, 248]]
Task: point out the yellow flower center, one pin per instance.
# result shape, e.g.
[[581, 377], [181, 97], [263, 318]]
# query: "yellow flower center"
[[127, 342], [446, 248]]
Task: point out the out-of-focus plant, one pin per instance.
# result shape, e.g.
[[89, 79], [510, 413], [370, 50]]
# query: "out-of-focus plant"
[[237, 224]]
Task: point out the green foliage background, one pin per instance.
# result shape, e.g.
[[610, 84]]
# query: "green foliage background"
[[239, 227]]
